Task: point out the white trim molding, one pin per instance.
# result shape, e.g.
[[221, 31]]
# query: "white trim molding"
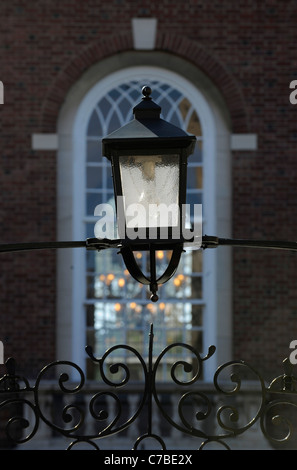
[[144, 33], [44, 142], [244, 142]]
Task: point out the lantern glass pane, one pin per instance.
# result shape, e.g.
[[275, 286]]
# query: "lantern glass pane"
[[150, 185]]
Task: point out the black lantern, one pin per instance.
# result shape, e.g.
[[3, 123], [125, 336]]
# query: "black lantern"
[[149, 167]]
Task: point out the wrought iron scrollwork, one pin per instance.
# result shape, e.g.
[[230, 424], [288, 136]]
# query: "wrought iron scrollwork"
[[188, 367], [278, 423], [206, 418]]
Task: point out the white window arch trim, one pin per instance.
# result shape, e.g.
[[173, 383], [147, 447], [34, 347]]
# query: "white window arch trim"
[[216, 198]]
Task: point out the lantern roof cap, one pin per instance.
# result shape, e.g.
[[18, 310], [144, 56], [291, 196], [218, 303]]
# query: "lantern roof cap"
[[147, 130]]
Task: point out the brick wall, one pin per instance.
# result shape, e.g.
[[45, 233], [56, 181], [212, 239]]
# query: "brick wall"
[[248, 51]]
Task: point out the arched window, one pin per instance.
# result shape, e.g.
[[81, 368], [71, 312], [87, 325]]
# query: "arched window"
[[108, 306]]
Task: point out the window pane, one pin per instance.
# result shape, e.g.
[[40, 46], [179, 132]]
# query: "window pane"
[[194, 177], [194, 126], [197, 315], [184, 108], [196, 157], [94, 153], [104, 106], [196, 339], [92, 200], [108, 179], [135, 339], [94, 127], [196, 288], [94, 177], [114, 122], [194, 197], [90, 309], [109, 285]]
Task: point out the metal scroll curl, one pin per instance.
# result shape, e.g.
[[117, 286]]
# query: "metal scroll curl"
[[70, 418], [185, 373], [278, 421], [17, 428], [231, 417], [12, 405], [116, 375]]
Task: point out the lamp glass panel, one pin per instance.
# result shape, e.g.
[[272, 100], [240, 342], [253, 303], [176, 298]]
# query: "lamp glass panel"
[[150, 185]]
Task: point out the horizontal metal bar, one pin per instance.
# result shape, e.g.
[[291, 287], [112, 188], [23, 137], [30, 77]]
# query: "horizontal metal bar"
[[89, 243], [40, 246], [275, 245], [97, 244]]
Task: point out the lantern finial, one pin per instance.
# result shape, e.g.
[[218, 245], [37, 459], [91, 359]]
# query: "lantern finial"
[[146, 91]]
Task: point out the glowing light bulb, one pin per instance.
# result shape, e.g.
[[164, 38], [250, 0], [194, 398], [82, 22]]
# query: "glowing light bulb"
[[121, 282], [109, 278]]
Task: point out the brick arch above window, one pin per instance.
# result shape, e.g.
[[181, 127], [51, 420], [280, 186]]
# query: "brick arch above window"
[[174, 46]]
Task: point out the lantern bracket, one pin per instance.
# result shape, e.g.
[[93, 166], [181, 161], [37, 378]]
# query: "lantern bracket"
[[152, 281]]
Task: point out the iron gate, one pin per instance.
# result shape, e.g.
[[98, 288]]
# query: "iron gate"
[[276, 402]]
